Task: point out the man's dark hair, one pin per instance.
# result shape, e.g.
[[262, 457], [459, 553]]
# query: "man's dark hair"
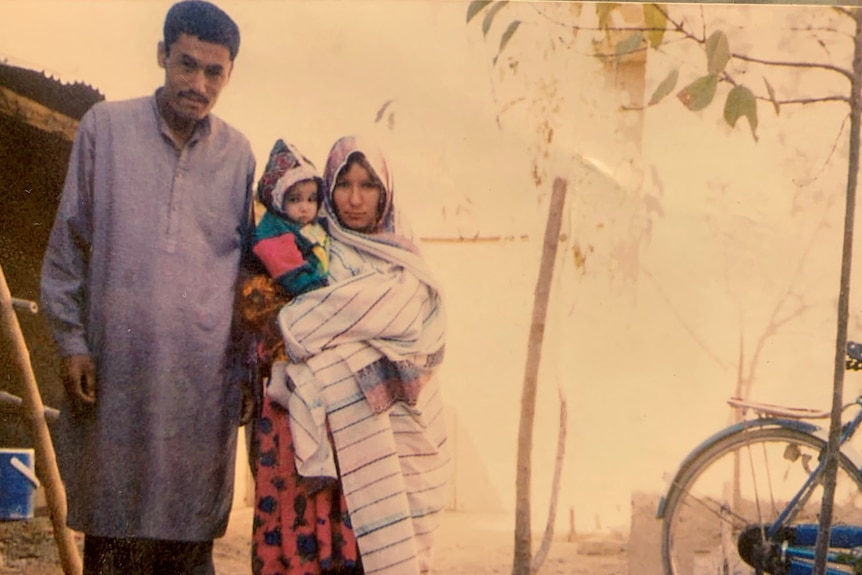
[[205, 21]]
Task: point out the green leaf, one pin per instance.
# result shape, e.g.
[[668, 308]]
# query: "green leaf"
[[717, 52], [666, 87], [772, 97], [603, 11], [741, 102], [489, 16], [631, 44], [699, 94], [507, 35], [475, 7], [655, 21]]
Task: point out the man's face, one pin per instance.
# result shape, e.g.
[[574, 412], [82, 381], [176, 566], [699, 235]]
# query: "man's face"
[[195, 73]]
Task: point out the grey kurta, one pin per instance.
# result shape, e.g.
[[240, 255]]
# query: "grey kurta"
[[140, 273]]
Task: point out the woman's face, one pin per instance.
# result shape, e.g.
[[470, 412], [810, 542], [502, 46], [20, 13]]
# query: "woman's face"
[[356, 197]]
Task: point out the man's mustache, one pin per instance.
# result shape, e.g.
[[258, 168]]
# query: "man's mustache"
[[192, 95]]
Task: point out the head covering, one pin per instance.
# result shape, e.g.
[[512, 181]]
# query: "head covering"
[[390, 228], [286, 166]]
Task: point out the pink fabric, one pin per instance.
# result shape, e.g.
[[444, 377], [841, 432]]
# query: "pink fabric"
[[279, 254]]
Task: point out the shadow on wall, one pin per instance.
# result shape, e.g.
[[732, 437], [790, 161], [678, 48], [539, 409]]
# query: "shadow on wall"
[[471, 487]]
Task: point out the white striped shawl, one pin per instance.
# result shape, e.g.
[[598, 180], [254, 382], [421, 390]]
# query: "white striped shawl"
[[363, 354]]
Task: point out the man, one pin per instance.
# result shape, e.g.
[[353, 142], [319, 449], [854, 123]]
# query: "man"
[[138, 284]]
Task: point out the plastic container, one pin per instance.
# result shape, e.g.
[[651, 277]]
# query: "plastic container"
[[18, 484]]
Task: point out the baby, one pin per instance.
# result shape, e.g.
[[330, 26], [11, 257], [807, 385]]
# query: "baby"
[[291, 246], [289, 241]]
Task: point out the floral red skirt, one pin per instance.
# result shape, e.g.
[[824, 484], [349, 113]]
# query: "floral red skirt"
[[295, 531], [300, 528]]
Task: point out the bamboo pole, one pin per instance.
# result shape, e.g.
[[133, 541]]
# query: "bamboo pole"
[[46, 461]]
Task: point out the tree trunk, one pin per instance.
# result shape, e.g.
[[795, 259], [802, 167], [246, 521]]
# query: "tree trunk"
[[833, 446], [522, 559]]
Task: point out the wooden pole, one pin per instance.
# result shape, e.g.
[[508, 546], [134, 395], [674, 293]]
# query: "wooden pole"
[[833, 446], [523, 552], [46, 461]]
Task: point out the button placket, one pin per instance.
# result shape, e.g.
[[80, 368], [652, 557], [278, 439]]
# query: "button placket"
[[175, 209]]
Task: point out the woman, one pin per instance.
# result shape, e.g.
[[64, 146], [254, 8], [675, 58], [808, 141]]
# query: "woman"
[[351, 465]]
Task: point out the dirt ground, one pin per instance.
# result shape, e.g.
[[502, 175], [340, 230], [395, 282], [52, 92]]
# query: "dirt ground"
[[468, 545]]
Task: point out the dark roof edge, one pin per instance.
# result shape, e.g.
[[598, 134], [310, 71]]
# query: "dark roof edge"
[[72, 100]]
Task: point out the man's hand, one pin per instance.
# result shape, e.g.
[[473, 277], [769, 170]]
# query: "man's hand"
[[79, 379]]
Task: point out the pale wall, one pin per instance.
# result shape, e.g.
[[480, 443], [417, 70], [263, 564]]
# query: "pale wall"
[[747, 241]]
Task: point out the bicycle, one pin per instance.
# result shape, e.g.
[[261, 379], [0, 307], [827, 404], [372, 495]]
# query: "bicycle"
[[746, 501]]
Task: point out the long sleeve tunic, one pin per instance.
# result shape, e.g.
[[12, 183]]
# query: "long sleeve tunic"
[[140, 273]]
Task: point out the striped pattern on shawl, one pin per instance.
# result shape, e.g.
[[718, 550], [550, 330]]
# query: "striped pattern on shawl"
[[363, 356]]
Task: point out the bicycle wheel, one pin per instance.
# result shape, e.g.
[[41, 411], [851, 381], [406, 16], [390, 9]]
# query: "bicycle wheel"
[[743, 480]]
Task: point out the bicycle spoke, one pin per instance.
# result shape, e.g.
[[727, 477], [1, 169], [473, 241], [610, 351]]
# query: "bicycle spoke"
[[718, 508], [723, 494], [768, 482], [752, 467]]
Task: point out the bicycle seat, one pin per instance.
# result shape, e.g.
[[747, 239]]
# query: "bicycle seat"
[[763, 409]]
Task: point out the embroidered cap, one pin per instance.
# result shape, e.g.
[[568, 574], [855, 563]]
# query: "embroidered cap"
[[286, 166]]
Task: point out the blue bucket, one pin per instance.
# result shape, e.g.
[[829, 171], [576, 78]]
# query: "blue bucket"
[[18, 483]]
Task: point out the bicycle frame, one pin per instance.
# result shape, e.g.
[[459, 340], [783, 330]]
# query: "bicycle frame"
[[801, 553], [796, 551]]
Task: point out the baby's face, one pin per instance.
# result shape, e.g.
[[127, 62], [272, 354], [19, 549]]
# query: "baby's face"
[[300, 202]]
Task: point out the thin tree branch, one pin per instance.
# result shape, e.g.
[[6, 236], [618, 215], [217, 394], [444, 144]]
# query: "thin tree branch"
[[831, 152], [804, 101], [813, 29], [792, 64], [790, 101], [685, 325], [679, 27], [548, 537], [775, 322], [726, 77]]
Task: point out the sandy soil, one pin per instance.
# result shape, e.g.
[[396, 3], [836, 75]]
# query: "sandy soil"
[[469, 545]]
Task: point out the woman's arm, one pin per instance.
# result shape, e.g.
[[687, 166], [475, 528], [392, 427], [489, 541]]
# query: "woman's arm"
[[389, 305]]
